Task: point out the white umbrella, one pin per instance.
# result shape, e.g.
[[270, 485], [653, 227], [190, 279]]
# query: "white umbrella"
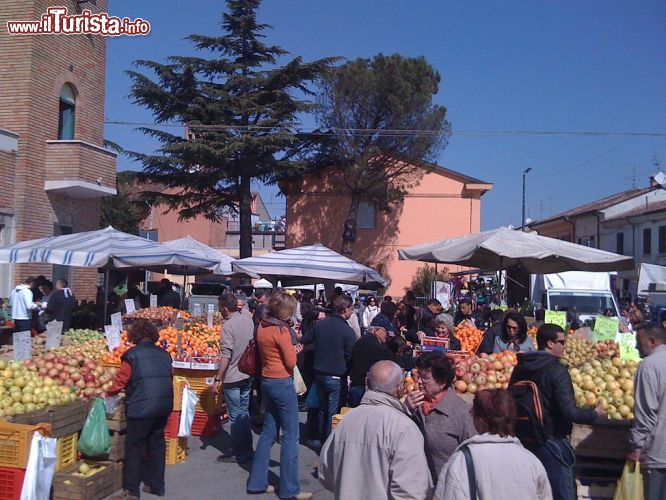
[[201, 249], [504, 248], [307, 265]]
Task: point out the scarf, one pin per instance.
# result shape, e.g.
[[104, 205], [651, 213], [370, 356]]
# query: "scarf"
[[67, 292], [428, 406]]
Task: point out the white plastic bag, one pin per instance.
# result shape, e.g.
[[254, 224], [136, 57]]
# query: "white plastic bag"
[[187, 409], [111, 403], [299, 383], [40, 468]]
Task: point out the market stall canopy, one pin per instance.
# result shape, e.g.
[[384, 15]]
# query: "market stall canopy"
[[202, 250], [648, 274], [262, 283], [504, 248], [307, 265], [106, 246]]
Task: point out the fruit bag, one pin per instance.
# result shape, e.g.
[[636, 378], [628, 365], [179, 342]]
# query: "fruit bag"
[[95, 438], [40, 468], [630, 484]]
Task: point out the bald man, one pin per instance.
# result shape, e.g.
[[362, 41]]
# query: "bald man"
[[398, 469]]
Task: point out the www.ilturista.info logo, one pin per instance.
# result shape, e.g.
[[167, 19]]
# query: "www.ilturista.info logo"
[[56, 21]]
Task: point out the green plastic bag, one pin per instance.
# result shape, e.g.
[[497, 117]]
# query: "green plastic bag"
[[95, 439], [630, 484]]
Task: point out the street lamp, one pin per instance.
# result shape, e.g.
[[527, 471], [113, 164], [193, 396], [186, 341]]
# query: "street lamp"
[[525, 172]]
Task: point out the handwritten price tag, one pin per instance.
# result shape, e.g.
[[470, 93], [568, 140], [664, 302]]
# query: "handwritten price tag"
[[605, 328], [22, 346], [557, 318], [129, 305], [211, 308], [117, 320], [628, 349], [198, 310], [53, 334], [209, 318], [112, 335], [153, 300]]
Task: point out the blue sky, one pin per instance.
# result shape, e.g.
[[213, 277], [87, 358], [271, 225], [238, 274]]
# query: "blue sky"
[[533, 66]]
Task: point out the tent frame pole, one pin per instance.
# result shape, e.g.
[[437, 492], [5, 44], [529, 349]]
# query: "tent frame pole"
[[106, 293]]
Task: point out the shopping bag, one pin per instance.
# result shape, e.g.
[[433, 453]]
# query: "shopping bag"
[[39, 469], [187, 409], [299, 383], [95, 438], [312, 399], [630, 484]]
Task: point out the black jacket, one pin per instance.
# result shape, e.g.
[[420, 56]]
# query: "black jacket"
[[60, 308], [169, 298], [366, 352], [488, 341], [333, 339], [149, 393], [460, 317], [555, 390], [423, 319]]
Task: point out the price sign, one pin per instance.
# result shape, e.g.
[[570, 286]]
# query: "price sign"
[[628, 349], [179, 323], [117, 320], [198, 310], [209, 318], [211, 308], [22, 346], [112, 335], [129, 305], [53, 334], [605, 328], [153, 300], [557, 318]]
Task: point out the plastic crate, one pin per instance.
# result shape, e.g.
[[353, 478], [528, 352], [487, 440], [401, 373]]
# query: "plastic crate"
[[178, 384], [172, 425], [11, 482], [206, 425], [176, 450], [15, 442], [201, 382], [66, 451]]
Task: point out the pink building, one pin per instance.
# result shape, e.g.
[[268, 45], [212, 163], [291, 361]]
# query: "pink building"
[[445, 204]]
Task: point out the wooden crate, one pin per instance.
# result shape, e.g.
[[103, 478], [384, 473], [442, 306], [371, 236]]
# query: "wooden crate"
[[69, 485], [117, 421], [117, 451], [66, 452], [587, 490], [602, 439], [118, 477], [64, 419]]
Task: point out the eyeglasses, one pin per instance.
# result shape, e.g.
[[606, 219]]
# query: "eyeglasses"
[[560, 341]]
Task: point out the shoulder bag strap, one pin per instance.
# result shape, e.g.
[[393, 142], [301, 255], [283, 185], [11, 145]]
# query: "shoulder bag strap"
[[471, 474]]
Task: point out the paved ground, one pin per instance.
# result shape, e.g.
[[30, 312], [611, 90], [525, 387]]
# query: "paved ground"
[[200, 477]]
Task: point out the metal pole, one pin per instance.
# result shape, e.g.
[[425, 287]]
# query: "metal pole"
[[522, 220], [106, 292]]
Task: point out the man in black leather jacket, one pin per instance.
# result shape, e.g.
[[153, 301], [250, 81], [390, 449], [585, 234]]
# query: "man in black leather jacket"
[[559, 407]]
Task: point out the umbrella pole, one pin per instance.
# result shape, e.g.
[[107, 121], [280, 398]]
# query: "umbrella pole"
[[106, 292]]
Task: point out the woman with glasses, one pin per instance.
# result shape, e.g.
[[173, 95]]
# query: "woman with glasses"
[[371, 310], [441, 414], [512, 336]]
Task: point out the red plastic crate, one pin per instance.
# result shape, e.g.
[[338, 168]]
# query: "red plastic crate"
[[11, 482], [173, 423], [206, 425]]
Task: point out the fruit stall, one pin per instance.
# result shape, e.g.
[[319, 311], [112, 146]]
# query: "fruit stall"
[[52, 391]]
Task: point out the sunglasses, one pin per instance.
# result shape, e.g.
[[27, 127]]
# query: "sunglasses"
[[560, 341]]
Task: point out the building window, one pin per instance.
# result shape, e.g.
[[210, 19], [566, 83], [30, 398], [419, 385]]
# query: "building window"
[[66, 113], [587, 241], [367, 216], [619, 243], [647, 241], [150, 234], [662, 239]]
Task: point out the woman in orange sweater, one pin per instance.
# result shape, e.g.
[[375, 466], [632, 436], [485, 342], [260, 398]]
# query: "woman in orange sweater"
[[278, 358]]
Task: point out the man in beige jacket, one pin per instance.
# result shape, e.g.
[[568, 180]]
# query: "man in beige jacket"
[[376, 451]]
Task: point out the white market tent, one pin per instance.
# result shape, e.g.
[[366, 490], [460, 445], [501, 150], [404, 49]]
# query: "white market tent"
[[189, 244], [650, 273], [308, 265], [104, 248], [504, 248]]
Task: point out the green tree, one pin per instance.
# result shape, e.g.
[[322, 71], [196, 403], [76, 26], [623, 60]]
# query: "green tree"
[[424, 278], [124, 211], [384, 125], [240, 108]]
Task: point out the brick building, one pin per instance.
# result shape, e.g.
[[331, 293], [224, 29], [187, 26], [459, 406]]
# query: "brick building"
[[53, 167]]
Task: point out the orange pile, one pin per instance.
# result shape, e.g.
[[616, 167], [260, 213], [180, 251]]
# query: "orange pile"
[[469, 336], [196, 340], [532, 331]]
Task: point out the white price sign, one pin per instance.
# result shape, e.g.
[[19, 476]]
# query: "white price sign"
[[129, 306], [211, 308], [209, 318], [53, 334], [22, 346], [117, 320], [153, 300], [198, 310], [112, 334]]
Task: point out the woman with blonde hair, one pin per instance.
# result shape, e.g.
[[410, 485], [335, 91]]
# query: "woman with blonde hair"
[[278, 359]]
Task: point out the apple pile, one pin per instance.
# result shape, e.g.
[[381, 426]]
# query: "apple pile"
[[476, 373], [609, 382], [81, 374], [579, 351]]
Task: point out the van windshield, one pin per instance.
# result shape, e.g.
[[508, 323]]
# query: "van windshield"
[[585, 303]]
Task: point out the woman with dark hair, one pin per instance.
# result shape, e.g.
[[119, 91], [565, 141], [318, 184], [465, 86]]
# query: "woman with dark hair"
[[146, 376], [521, 474], [441, 414], [371, 310], [406, 317], [514, 335]]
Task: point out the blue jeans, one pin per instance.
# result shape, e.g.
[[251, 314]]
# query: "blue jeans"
[[281, 412], [331, 398], [355, 395], [237, 396], [558, 458]]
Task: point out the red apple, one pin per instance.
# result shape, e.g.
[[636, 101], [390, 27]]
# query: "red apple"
[[460, 386]]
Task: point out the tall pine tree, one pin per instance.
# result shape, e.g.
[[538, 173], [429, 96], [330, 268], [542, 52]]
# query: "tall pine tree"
[[241, 110]]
